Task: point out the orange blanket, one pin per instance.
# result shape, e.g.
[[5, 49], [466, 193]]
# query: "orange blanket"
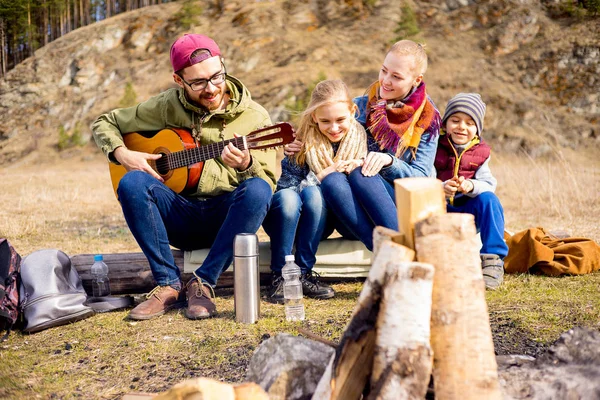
[[535, 251]]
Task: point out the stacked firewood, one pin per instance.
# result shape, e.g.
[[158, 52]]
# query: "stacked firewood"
[[418, 319]]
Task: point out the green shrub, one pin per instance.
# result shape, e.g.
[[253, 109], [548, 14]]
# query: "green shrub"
[[67, 140], [370, 3], [408, 25], [593, 6], [129, 96], [186, 16], [579, 9]]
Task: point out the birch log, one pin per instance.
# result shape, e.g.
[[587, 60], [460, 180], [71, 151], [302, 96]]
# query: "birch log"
[[464, 362], [381, 234], [210, 389], [348, 372], [403, 359]]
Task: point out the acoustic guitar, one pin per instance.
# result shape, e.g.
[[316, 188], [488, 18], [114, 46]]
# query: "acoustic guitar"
[[182, 159]]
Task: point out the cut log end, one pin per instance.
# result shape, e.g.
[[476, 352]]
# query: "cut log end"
[[455, 225]]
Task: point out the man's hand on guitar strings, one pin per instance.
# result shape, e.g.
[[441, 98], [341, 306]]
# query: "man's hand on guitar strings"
[[236, 158], [136, 161]]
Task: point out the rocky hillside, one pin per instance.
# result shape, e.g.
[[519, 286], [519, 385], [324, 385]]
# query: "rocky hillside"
[[537, 67]]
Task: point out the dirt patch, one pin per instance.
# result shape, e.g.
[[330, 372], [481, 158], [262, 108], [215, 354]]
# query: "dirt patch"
[[509, 339]]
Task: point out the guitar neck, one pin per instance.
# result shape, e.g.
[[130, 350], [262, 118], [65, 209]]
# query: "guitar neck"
[[186, 157]]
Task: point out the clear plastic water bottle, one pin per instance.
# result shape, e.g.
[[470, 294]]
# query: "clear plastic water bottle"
[[292, 290], [100, 283]]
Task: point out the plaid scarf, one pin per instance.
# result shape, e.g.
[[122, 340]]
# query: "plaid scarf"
[[398, 126]]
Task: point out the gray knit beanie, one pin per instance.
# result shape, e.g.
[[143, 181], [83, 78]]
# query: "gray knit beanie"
[[468, 103]]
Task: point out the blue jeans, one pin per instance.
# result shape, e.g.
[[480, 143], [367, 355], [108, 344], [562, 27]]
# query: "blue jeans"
[[361, 203], [300, 218], [489, 220], [158, 217]]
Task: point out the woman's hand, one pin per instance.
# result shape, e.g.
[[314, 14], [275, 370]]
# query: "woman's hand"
[[374, 162], [351, 165], [338, 166]]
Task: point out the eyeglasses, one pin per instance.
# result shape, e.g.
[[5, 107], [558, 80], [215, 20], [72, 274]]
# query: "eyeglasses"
[[201, 84]]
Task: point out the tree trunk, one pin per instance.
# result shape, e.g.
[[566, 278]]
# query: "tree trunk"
[[45, 22], [61, 21], [82, 21], [86, 8], [29, 29], [461, 337], [68, 16], [2, 49]]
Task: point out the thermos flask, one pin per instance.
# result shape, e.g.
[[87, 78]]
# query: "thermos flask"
[[246, 278]]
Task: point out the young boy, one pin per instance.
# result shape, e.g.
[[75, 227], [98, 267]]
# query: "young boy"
[[462, 164]]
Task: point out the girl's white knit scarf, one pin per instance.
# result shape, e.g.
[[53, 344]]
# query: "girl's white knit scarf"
[[352, 147]]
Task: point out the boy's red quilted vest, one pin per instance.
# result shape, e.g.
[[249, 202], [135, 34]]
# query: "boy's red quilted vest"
[[470, 160]]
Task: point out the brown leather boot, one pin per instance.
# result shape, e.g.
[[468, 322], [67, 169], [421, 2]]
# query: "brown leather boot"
[[200, 304], [160, 300]]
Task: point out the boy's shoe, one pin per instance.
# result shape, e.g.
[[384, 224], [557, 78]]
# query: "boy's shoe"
[[160, 300], [275, 291], [200, 300], [493, 271], [313, 288]]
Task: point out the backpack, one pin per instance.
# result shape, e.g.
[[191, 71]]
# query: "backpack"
[[51, 291], [10, 263]]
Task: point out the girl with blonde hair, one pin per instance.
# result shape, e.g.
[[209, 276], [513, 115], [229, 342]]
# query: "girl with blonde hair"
[[333, 142]]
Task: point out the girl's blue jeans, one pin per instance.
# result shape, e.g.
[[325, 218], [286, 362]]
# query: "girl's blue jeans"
[[361, 203], [489, 220], [159, 217], [301, 219]]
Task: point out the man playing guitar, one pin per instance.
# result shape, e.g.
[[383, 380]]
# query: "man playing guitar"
[[232, 194]]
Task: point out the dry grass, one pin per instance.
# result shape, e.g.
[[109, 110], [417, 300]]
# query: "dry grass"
[[66, 204], [562, 192], [69, 204]]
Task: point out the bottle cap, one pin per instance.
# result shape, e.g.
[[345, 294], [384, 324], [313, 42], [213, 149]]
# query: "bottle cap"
[[289, 258], [98, 257], [245, 245]]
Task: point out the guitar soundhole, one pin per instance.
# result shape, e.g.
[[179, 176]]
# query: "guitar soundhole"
[[162, 167]]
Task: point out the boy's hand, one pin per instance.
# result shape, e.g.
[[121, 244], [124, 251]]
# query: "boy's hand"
[[451, 187], [465, 185]]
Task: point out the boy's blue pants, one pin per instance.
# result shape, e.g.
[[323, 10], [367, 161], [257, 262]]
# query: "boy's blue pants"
[[489, 220]]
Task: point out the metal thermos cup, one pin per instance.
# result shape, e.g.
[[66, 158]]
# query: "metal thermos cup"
[[246, 278]]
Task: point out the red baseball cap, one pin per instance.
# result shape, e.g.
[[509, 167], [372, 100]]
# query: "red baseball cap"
[[183, 48]]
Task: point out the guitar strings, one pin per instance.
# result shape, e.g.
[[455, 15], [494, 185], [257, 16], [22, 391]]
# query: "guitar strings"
[[187, 157]]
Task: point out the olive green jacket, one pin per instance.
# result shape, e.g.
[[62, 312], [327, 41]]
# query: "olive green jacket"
[[171, 109]]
